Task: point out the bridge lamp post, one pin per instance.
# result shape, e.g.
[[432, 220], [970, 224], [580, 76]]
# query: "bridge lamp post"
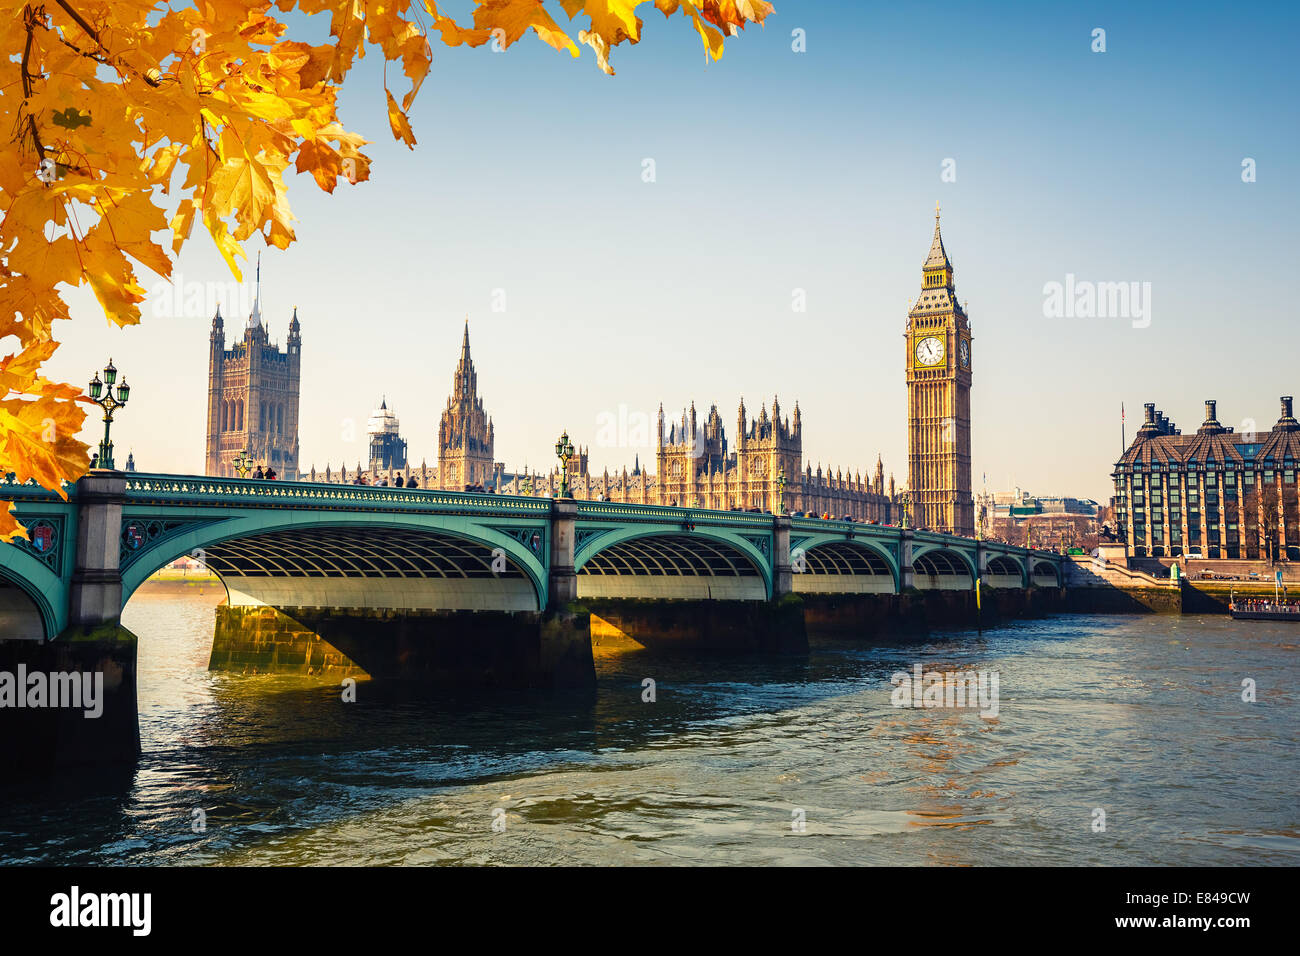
[[101, 393], [780, 491], [564, 452], [243, 463], [905, 499]]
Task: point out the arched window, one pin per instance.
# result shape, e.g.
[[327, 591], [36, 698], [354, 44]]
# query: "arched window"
[[239, 422]]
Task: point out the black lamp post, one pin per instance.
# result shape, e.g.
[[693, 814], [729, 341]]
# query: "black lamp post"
[[102, 394], [564, 452]]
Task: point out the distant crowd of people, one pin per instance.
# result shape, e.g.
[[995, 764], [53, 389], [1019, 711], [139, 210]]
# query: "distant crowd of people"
[[1255, 607], [268, 474], [398, 482]]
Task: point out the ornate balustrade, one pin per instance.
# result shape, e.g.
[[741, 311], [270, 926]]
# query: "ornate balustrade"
[[199, 490]]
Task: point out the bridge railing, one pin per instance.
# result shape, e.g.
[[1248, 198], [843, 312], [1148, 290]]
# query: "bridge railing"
[[201, 489], [839, 525], [13, 490], [667, 513]]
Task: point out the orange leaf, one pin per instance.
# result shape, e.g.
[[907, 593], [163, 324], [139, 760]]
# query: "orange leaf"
[[398, 121]]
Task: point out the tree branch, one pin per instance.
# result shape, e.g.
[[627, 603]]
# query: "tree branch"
[[77, 18]]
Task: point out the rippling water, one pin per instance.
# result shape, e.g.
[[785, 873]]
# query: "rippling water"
[[1139, 716]]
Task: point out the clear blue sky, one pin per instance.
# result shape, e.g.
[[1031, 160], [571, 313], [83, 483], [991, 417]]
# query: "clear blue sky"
[[778, 171]]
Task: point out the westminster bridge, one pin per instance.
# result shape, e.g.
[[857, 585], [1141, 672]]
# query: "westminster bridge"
[[433, 584]]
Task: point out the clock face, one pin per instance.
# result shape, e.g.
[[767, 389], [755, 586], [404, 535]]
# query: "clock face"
[[965, 353], [929, 351]]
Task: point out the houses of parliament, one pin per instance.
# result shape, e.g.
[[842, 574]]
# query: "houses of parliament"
[[253, 395]]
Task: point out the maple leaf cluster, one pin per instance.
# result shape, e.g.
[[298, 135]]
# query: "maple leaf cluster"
[[113, 104]]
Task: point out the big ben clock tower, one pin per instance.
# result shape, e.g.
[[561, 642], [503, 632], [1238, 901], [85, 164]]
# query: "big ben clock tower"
[[938, 400]]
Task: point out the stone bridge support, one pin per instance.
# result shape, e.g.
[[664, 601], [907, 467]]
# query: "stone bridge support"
[[563, 580], [906, 574], [95, 597], [782, 573], [92, 717]]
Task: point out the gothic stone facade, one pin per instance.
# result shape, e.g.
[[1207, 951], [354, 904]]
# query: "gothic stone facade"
[[695, 468], [253, 392], [1215, 494], [465, 433], [938, 363]]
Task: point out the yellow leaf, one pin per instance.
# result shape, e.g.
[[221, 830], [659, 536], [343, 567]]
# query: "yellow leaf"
[[397, 120], [182, 223]]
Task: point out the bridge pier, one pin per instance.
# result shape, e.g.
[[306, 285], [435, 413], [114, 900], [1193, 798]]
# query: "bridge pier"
[[906, 574], [72, 700], [78, 700], [782, 572], [703, 625], [95, 596], [562, 586], [460, 648], [487, 649]]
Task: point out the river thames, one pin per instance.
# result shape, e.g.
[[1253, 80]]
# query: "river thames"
[[776, 760]]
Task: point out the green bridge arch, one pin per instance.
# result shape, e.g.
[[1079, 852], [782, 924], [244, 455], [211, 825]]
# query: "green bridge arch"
[[225, 528], [47, 591], [967, 558], [886, 550], [596, 540]]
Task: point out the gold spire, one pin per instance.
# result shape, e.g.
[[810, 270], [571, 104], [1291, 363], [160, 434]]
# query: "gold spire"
[[938, 258]]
